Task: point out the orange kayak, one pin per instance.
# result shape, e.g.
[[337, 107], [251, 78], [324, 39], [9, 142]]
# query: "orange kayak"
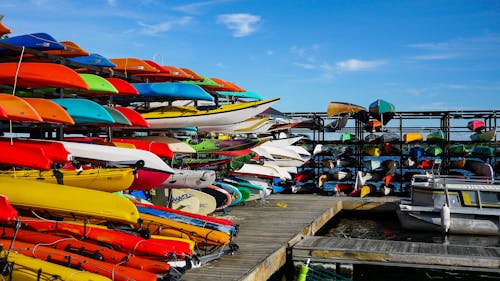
[[4, 29], [50, 111], [17, 109], [133, 65], [41, 75]]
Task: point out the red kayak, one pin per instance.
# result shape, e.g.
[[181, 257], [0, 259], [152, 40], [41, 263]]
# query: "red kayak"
[[41, 75], [159, 148], [121, 241], [7, 213], [124, 88], [21, 156], [55, 151], [133, 116], [113, 271], [88, 249]]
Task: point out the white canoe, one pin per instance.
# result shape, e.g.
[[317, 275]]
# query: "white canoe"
[[171, 117], [183, 178], [114, 154], [284, 142]]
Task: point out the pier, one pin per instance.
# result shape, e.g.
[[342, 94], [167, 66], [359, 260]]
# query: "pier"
[[283, 227], [269, 229]]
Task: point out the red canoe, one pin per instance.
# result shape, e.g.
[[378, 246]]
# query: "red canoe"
[[46, 253], [86, 248], [161, 149], [41, 75], [7, 213], [133, 116], [475, 125], [21, 156], [55, 151], [121, 241], [124, 88]]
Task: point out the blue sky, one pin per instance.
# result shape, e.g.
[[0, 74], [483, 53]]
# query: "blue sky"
[[419, 55]]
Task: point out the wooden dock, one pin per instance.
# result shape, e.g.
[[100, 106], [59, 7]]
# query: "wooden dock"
[[331, 250], [268, 230]]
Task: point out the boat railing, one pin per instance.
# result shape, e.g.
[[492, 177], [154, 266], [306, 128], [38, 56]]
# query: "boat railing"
[[430, 180]]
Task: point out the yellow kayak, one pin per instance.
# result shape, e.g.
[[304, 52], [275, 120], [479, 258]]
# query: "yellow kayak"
[[413, 136], [26, 268], [185, 116], [170, 228], [68, 201], [373, 150], [103, 179]]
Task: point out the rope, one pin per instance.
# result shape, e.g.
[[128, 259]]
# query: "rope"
[[14, 93]]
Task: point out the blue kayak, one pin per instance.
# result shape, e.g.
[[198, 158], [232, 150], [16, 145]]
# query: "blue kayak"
[[85, 111], [172, 91], [231, 230], [247, 95], [93, 59], [38, 41]]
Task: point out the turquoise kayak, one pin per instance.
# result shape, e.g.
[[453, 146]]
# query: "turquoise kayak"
[[172, 91], [247, 95], [85, 111]]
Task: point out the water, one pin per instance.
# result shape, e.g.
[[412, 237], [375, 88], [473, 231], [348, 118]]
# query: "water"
[[385, 226]]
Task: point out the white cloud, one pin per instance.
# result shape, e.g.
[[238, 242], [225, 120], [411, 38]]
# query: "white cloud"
[[112, 3], [359, 65], [305, 65], [199, 7], [220, 65], [153, 29], [435, 56], [269, 52], [299, 51], [241, 24]]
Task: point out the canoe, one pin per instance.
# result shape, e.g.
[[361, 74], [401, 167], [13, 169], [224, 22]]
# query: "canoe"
[[120, 241], [184, 116], [206, 203], [18, 109], [372, 138], [172, 91], [4, 29], [373, 126], [41, 75], [475, 125], [68, 201], [165, 213], [482, 151], [47, 253], [93, 59], [436, 136], [50, 111], [484, 136], [371, 164], [240, 95], [85, 111], [283, 142], [37, 41], [33, 269], [204, 145], [222, 197], [367, 189], [176, 145], [434, 151], [8, 214], [215, 220], [167, 227], [459, 164], [193, 74], [133, 66], [412, 137], [87, 248], [52, 150], [240, 127], [389, 137], [97, 85], [382, 110], [134, 117], [459, 150], [236, 196], [261, 171], [120, 119], [223, 86], [158, 148], [123, 87], [372, 150], [346, 137], [203, 82], [102, 179], [480, 168], [335, 108], [71, 49], [417, 152], [165, 73], [183, 178]]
